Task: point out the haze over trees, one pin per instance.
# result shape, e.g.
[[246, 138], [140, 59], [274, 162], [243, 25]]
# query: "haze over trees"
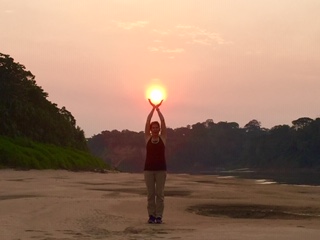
[[208, 146]]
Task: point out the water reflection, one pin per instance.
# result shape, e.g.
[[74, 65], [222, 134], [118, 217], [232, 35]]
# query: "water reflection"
[[283, 177]]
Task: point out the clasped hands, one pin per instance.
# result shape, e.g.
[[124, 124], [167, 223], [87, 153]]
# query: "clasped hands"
[[155, 106]]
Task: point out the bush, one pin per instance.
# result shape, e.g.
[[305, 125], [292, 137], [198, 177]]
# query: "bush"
[[22, 153]]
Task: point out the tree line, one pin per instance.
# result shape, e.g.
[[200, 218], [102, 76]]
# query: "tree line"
[[209, 146], [26, 112]]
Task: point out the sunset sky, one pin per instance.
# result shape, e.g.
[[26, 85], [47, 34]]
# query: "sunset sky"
[[225, 60]]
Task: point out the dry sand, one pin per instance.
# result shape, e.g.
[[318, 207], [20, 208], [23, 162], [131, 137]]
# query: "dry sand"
[[51, 205]]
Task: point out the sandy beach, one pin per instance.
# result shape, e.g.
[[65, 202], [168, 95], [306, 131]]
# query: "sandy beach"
[[52, 205]]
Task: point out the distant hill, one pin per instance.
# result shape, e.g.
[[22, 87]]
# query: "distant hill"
[[26, 113]]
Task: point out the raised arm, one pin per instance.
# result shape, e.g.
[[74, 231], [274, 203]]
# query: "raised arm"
[[163, 126], [147, 127]]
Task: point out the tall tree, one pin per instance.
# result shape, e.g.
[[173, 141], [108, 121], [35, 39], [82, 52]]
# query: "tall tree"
[[26, 112]]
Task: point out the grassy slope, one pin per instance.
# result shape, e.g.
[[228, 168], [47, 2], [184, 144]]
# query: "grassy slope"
[[26, 154]]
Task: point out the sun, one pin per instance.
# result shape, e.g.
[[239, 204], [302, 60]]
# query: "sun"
[[156, 93]]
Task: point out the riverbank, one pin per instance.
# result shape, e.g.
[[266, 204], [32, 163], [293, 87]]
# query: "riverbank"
[[56, 204]]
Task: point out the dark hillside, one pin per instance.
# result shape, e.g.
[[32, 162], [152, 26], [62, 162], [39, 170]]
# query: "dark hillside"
[[34, 132], [25, 110]]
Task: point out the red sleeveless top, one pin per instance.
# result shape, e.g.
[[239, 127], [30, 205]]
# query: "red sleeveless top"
[[155, 159]]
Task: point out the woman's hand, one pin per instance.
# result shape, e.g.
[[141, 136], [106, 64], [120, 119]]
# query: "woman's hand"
[[159, 104], [153, 105]]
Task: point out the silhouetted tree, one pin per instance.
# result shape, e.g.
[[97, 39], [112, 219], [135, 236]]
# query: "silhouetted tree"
[[26, 112], [301, 123]]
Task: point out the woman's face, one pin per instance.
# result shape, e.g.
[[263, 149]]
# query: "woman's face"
[[155, 129]]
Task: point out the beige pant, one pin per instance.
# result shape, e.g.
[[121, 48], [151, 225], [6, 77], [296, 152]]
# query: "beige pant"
[[155, 181]]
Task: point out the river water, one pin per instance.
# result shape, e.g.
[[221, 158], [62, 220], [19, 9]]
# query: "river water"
[[283, 177]]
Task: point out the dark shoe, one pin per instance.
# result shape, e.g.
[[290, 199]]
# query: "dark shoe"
[[152, 219], [159, 220]]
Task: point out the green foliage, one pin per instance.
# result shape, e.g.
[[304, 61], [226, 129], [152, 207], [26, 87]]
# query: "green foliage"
[[35, 133], [22, 153], [26, 112]]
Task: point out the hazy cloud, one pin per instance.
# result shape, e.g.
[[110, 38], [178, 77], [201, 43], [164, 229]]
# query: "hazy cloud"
[[153, 49], [131, 25], [161, 32], [166, 50], [201, 36], [176, 50], [184, 34]]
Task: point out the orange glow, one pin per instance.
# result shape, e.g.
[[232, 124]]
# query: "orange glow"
[[156, 93]]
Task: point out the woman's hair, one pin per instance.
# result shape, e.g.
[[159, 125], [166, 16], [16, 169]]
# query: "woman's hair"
[[154, 122]]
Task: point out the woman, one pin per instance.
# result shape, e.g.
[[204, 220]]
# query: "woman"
[[155, 165]]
